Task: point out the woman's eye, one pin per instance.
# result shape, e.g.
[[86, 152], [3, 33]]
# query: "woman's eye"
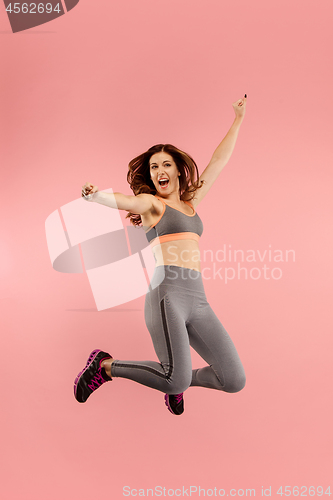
[[155, 166]]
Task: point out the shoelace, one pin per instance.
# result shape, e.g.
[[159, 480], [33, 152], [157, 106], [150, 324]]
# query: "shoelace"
[[178, 397], [97, 381]]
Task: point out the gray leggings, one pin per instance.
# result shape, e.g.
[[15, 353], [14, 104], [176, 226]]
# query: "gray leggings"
[[178, 316]]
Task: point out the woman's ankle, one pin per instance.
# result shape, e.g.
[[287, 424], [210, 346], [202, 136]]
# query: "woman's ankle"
[[106, 364]]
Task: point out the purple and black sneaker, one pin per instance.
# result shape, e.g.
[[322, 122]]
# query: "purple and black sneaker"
[[92, 376], [175, 403]]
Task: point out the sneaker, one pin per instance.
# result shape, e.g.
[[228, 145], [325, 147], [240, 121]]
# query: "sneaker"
[[175, 403], [92, 376]]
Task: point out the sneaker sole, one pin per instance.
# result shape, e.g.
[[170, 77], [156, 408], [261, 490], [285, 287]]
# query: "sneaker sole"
[[166, 399]]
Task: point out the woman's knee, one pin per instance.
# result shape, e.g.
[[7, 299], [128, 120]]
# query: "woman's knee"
[[236, 384], [179, 382]]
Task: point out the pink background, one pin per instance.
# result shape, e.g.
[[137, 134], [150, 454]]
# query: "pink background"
[[80, 97]]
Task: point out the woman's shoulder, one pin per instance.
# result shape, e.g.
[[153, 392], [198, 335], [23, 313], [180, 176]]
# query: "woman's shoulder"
[[156, 204], [150, 217]]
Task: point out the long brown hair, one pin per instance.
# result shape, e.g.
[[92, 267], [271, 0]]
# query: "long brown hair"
[[138, 175]]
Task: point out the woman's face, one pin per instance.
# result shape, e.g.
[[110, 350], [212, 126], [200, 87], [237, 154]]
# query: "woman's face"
[[162, 166]]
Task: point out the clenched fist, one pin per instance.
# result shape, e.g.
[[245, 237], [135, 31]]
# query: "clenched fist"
[[88, 190]]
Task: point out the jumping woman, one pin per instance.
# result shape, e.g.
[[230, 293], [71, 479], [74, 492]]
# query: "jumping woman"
[[167, 191]]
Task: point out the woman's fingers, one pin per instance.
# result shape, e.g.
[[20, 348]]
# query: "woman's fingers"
[[240, 106], [85, 195], [88, 190], [240, 102], [87, 187]]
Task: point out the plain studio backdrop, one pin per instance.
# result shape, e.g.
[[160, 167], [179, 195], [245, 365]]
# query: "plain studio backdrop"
[[80, 97]]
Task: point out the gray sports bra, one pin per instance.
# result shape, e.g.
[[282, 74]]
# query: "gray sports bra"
[[175, 225]]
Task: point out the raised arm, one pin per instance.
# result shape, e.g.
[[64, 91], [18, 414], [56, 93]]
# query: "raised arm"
[[222, 153], [139, 204]]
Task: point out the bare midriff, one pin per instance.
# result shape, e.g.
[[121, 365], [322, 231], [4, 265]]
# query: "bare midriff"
[[182, 253]]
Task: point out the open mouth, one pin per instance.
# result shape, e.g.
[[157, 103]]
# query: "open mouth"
[[163, 183]]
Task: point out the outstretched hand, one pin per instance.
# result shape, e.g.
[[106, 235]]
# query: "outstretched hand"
[[240, 106], [88, 190]]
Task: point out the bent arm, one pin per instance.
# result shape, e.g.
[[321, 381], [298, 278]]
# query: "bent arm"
[[139, 204]]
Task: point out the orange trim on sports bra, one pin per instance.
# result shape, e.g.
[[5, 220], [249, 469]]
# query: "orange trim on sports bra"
[[151, 227], [187, 202], [174, 237]]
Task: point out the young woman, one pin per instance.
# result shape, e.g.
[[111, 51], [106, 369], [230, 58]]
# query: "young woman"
[[177, 314]]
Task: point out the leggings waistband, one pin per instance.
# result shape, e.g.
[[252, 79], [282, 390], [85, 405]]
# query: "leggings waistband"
[[183, 277]]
